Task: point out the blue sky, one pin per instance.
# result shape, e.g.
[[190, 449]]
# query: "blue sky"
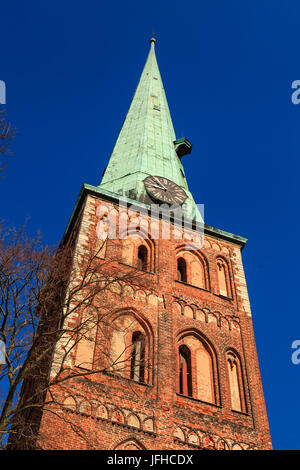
[[71, 69]]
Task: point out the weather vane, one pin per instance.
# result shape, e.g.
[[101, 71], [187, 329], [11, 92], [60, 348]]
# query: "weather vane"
[[153, 38]]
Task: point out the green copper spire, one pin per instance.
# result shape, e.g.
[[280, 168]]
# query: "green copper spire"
[[146, 143]]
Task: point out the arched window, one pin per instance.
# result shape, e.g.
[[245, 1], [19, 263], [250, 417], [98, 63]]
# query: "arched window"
[[192, 268], [205, 374], [236, 382], [197, 369], [117, 359], [130, 343], [130, 444], [185, 371], [181, 270], [137, 367], [223, 280], [142, 258]]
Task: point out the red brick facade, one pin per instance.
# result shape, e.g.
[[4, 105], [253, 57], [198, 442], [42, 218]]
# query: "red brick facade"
[[119, 411]]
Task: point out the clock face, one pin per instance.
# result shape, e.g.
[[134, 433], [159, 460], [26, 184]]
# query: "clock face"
[[165, 190]]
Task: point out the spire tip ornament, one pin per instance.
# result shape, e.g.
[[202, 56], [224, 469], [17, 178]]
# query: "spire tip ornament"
[[153, 38]]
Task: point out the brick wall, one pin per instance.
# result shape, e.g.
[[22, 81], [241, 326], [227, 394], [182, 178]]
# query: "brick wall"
[[107, 411]]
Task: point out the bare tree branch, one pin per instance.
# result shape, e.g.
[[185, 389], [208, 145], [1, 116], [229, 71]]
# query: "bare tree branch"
[[51, 302], [7, 135]]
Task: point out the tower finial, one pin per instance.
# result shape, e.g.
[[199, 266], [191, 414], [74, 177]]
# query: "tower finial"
[[153, 38]]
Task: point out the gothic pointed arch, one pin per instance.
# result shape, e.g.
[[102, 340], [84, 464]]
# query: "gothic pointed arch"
[[130, 346], [70, 403], [236, 381], [192, 267], [223, 277], [181, 269], [138, 249], [142, 258], [185, 371], [130, 444], [197, 360], [133, 420], [117, 416], [137, 364]]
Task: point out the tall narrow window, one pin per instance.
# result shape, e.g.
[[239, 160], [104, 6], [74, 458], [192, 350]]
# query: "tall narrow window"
[[181, 270], [137, 369], [205, 378], [222, 278], [117, 351], [236, 382], [142, 258], [185, 373]]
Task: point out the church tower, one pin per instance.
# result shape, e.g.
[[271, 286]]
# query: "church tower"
[[168, 358]]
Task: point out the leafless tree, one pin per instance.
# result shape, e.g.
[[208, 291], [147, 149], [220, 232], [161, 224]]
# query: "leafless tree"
[[50, 297]]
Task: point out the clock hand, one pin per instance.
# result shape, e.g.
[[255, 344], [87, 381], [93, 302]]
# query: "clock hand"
[[161, 185]]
